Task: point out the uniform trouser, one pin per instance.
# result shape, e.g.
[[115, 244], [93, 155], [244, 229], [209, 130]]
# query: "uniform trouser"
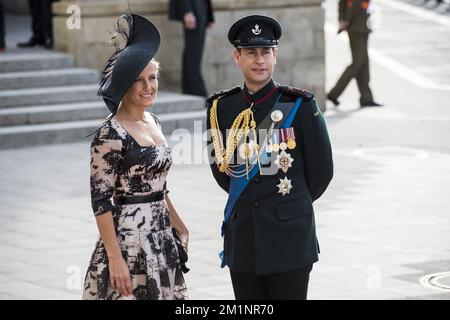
[[291, 285], [41, 19], [2, 25], [358, 69], [192, 80]]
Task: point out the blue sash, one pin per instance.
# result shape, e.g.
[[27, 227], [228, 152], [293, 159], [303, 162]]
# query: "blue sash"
[[238, 184]]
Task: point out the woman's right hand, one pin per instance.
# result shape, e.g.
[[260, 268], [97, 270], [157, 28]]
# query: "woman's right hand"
[[119, 275]]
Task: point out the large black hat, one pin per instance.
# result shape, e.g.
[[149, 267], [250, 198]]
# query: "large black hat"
[[255, 32], [140, 42]]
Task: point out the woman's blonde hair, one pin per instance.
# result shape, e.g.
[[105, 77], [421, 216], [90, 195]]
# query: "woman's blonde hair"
[[156, 64]]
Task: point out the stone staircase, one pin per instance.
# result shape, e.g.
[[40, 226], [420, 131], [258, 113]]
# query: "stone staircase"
[[44, 99]]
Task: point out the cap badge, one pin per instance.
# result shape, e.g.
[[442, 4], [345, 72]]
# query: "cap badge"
[[257, 30]]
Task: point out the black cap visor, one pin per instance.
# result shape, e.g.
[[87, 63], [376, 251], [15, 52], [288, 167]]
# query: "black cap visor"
[[255, 43]]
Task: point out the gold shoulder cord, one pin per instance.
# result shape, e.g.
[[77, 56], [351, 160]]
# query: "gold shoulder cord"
[[241, 127]]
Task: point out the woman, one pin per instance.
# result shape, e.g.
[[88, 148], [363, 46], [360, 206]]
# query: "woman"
[[136, 256]]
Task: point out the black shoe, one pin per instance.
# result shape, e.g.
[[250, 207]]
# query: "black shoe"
[[31, 43], [334, 100], [370, 104], [48, 44]]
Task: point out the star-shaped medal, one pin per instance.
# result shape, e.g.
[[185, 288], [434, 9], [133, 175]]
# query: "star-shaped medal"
[[285, 186], [284, 161]]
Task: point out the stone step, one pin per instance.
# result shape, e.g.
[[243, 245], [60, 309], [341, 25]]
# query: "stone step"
[[47, 78], [41, 60], [53, 113], [53, 95], [165, 103], [76, 131]]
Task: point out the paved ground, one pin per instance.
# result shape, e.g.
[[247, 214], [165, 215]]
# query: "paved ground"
[[382, 225]]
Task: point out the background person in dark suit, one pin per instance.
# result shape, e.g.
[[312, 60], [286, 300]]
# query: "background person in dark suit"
[[41, 24], [196, 16], [353, 18], [2, 27]]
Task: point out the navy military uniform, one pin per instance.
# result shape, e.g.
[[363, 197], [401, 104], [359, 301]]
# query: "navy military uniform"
[[268, 234]]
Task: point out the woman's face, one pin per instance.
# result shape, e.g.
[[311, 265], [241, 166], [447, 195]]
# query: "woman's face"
[[144, 89]]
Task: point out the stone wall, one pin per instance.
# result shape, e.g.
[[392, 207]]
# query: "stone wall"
[[301, 60]]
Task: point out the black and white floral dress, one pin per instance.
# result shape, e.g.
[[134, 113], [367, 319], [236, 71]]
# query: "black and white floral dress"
[[121, 167]]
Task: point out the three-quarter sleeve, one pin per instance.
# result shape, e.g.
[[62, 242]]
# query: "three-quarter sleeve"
[[106, 155]]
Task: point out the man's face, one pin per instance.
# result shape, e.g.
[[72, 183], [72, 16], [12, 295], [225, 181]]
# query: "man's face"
[[257, 64]]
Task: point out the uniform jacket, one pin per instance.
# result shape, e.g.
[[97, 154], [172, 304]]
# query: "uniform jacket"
[[202, 10], [356, 13], [267, 232]]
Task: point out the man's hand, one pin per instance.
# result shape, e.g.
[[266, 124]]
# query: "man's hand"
[[343, 25], [189, 21]]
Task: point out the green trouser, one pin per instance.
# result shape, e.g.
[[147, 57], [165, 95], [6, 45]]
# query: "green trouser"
[[358, 69]]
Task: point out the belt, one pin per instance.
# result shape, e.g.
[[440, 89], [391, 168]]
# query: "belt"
[[157, 196]]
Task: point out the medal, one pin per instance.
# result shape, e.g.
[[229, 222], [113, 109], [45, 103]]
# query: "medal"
[[285, 186], [284, 161], [291, 144], [283, 145], [276, 146], [291, 139]]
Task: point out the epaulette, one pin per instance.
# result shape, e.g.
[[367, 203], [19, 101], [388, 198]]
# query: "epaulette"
[[223, 93], [296, 92]]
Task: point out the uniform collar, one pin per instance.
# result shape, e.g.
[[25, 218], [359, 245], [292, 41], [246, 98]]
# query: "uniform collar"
[[261, 94]]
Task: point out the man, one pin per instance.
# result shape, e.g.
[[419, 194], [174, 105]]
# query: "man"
[[2, 27], [269, 231], [197, 16], [41, 24], [354, 18]]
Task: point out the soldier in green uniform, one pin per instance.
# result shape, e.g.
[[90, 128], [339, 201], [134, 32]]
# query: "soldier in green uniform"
[[353, 18], [271, 153]]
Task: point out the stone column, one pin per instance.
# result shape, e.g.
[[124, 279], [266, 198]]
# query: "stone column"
[[301, 60]]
